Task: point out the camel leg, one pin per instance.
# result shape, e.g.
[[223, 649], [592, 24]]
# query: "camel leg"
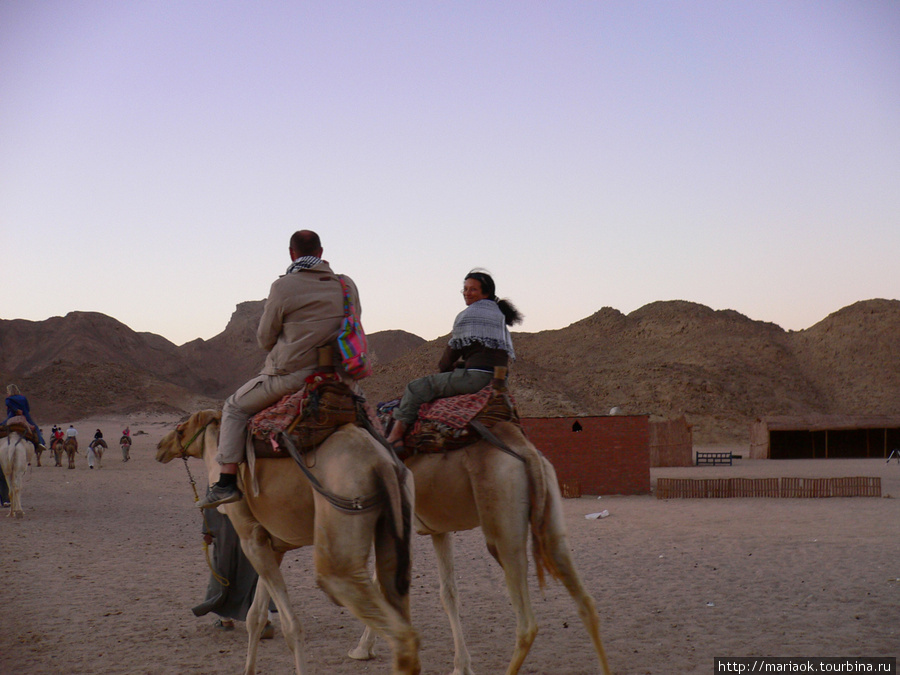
[[510, 552], [13, 467], [15, 506], [15, 491], [356, 592], [443, 548], [256, 620], [385, 568], [503, 508], [342, 573], [365, 648], [12, 484], [557, 547], [268, 565]]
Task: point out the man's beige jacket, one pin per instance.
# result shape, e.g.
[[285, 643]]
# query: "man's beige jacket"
[[303, 311]]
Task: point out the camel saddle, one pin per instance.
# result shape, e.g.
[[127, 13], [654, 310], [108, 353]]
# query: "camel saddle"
[[308, 416], [444, 424], [19, 425]]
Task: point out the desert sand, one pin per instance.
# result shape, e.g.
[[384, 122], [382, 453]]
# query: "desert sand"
[[100, 576]]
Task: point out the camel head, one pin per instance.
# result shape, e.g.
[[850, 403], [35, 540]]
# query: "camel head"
[[187, 437]]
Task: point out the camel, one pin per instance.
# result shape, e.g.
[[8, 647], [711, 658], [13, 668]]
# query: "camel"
[[288, 513], [71, 447], [484, 485], [14, 453], [125, 444], [57, 446], [95, 451]]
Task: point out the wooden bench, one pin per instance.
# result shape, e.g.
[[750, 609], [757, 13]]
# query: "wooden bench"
[[714, 458]]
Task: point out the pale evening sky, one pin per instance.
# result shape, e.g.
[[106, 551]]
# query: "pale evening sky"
[[155, 157]]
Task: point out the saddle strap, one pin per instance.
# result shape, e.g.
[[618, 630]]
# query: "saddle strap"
[[489, 436], [377, 435], [355, 505]]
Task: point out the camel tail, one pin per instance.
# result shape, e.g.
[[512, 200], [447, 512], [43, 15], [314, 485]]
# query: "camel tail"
[[539, 496], [399, 516]]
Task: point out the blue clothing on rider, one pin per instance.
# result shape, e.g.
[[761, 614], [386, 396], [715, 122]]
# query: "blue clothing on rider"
[[17, 404]]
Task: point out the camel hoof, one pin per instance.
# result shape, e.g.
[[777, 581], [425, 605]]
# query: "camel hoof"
[[20, 514], [361, 654]]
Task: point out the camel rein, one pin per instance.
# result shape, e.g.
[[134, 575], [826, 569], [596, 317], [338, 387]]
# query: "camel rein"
[[355, 505], [218, 577]]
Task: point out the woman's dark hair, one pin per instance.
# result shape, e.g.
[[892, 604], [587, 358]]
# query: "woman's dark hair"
[[511, 314]]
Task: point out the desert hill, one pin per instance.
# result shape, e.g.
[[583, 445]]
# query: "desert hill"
[[719, 368]]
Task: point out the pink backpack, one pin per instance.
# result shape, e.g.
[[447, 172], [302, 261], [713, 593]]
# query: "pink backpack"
[[351, 339]]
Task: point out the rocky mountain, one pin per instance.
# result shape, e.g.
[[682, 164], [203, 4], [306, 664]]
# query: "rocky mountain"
[[719, 368]]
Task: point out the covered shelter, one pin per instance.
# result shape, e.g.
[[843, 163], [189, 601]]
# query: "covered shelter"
[[824, 436], [671, 443]]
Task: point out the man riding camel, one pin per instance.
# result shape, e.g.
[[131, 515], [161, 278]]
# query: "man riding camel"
[[304, 311]]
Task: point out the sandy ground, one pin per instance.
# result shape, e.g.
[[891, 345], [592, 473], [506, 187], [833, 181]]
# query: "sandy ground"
[[100, 576]]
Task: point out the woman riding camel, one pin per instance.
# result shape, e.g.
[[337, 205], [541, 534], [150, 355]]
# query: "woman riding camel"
[[480, 341], [17, 404]]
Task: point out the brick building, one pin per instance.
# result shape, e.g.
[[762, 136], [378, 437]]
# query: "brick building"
[[603, 455]]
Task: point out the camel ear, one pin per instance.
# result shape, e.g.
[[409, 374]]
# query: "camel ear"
[[204, 417]]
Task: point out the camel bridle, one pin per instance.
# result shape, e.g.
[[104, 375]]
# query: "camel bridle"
[[183, 448]]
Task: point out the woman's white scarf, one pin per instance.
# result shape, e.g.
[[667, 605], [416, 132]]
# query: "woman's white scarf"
[[483, 322]]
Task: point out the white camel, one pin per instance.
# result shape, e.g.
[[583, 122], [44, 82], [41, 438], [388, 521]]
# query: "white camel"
[[14, 454], [95, 451], [363, 498], [484, 485]]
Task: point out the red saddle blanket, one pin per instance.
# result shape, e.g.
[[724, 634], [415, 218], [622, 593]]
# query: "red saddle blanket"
[[309, 416], [444, 424]]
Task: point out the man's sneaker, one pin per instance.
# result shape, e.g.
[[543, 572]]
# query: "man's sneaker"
[[217, 494]]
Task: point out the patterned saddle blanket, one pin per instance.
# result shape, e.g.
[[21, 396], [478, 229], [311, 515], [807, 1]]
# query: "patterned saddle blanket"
[[19, 425], [444, 424], [308, 416]]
